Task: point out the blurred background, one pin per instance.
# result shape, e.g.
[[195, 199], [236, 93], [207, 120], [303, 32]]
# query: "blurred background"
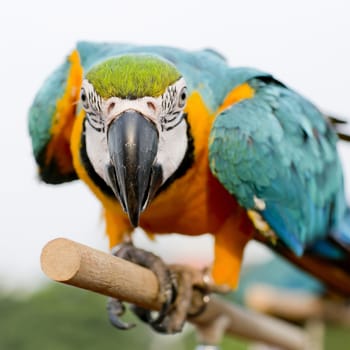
[[304, 44]]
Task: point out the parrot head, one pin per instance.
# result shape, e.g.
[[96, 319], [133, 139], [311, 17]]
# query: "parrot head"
[[135, 127]]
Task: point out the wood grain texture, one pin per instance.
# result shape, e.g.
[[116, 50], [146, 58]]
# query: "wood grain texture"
[[78, 265]]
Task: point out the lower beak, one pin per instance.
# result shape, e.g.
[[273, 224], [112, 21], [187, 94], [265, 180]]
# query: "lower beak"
[[132, 173]]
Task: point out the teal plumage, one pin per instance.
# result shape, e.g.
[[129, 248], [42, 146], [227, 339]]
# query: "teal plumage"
[[205, 71], [279, 148], [43, 108]]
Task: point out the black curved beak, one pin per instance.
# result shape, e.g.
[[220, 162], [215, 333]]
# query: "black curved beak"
[[132, 173]]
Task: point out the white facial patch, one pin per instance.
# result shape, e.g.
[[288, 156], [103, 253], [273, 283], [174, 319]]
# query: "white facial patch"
[[172, 148], [149, 107], [172, 129], [165, 111], [97, 149]]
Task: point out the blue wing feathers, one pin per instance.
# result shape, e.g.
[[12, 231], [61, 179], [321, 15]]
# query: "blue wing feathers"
[[43, 108], [278, 147]]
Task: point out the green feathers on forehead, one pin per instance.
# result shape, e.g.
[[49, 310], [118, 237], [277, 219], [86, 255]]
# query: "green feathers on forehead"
[[132, 76]]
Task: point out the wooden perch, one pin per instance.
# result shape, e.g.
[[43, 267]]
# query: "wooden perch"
[[296, 305], [81, 266], [75, 264]]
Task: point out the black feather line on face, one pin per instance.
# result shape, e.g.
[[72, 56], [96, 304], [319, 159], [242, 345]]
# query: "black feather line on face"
[[171, 127], [186, 163], [90, 119], [170, 120]]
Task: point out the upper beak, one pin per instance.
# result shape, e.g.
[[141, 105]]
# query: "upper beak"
[[132, 173]]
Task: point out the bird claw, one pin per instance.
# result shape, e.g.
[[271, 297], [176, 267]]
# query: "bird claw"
[[185, 292], [167, 284], [154, 318], [115, 309]]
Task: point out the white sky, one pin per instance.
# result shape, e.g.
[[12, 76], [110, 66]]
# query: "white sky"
[[304, 43]]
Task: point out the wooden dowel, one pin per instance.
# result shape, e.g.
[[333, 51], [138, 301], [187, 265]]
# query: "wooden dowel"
[[75, 264], [291, 305], [250, 325], [78, 265], [296, 305]]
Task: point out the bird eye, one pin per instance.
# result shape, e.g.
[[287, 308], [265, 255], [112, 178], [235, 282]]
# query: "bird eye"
[[182, 97], [83, 97]]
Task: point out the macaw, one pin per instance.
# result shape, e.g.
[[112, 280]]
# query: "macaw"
[[175, 141]]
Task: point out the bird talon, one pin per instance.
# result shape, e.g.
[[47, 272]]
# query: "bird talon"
[[167, 282], [116, 309], [185, 294], [169, 301], [202, 299], [157, 322]]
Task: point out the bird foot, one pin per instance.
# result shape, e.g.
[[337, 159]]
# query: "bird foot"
[[115, 309], [185, 292], [167, 288]]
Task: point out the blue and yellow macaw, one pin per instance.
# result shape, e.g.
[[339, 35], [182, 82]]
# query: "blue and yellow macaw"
[[178, 141]]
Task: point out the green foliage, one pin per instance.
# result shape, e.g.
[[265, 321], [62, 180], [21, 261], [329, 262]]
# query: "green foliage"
[[61, 318], [337, 338], [65, 318]]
